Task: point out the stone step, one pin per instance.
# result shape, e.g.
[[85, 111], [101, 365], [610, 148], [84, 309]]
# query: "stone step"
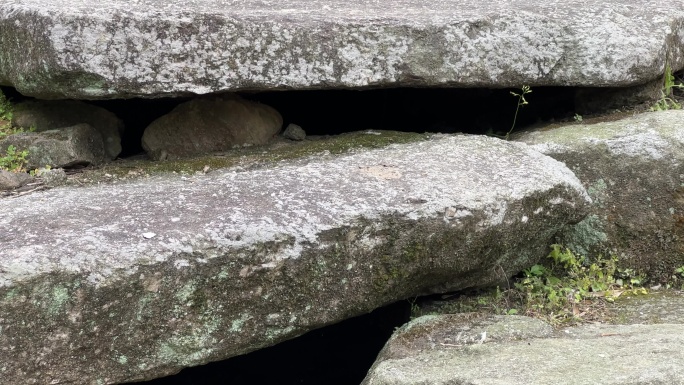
[[136, 280], [508, 349], [91, 49]]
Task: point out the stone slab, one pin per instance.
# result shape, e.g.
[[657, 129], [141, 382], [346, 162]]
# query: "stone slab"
[[632, 168], [515, 350], [136, 280], [89, 49]]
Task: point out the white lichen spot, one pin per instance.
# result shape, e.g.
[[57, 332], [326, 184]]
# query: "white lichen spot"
[[646, 144], [236, 325], [185, 293], [223, 274], [179, 263]]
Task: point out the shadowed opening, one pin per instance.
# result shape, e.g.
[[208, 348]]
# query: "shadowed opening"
[[332, 112], [440, 110], [336, 354]]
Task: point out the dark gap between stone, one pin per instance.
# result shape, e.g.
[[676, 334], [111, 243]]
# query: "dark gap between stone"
[[443, 110], [446, 110], [339, 354], [12, 94], [332, 112], [137, 114]]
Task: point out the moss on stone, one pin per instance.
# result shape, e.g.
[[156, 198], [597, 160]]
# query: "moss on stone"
[[664, 306], [584, 236], [252, 157]]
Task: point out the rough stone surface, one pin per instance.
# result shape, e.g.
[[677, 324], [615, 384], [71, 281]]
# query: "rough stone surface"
[[106, 284], [52, 177], [202, 126], [664, 306], [102, 49], [50, 115], [632, 168], [66, 147], [502, 350], [294, 132], [12, 180], [599, 100]]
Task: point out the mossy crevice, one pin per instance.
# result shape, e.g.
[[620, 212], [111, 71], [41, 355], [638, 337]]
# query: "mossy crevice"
[[248, 158]]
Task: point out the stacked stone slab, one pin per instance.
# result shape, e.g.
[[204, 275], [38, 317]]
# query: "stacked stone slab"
[[145, 278], [132, 281], [96, 50]]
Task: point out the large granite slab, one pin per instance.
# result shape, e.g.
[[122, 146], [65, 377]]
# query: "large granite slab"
[[136, 280], [87, 49]]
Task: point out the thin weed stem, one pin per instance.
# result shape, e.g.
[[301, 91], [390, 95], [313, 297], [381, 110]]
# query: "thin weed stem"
[[521, 102]]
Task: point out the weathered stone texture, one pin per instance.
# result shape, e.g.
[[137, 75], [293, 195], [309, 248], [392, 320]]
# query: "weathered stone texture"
[[632, 168], [12, 180], [294, 132], [136, 280], [95, 49], [44, 115], [499, 350], [66, 147], [203, 126]]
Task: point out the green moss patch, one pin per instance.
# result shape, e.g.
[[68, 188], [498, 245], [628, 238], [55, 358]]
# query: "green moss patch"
[[250, 157]]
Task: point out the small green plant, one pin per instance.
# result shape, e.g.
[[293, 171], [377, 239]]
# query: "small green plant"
[[10, 130], [5, 116], [677, 278], [567, 288], [563, 289], [578, 118], [415, 308], [13, 160], [5, 108], [524, 90], [40, 171], [680, 272], [667, 99]]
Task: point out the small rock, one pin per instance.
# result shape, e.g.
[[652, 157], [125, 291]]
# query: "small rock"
[[46, 115], [206, 125], [12, 180], [66, 147], [52, 177], [294, 132], [148, 235]]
